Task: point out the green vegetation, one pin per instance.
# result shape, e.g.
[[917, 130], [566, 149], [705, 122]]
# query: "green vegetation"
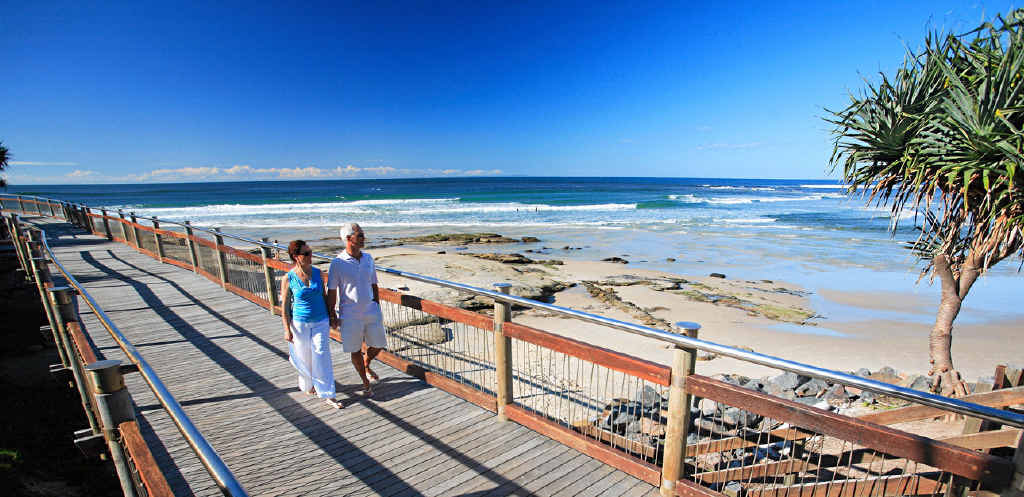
[[4, 157], [944, 135]]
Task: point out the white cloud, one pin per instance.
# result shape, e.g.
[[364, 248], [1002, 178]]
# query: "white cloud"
[[36, 163], [242, 172], [245, 171], [730, 146]]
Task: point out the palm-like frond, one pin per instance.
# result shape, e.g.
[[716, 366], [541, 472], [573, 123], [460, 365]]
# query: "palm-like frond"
[[945, 135]]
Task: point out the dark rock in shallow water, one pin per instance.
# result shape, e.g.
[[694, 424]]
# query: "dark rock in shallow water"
[[530, 239], [669, 259], [717, 275], [615, 259]]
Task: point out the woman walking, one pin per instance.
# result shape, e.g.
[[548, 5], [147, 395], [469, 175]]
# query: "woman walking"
[[306, 326]]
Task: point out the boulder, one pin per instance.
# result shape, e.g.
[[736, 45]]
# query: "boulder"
[[650, 396], [617, 260], [530, 239], [836, 395], [785, 381], [708, 407], [717, 275], [811, 388], [733, 489], [917, 382]]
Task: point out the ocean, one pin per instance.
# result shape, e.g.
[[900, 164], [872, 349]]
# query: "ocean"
[[809, 232]]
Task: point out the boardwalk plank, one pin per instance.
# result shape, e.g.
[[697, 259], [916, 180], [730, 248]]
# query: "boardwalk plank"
[[225, 361]]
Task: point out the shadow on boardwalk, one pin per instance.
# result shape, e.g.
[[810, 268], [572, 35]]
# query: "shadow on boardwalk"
[[374, 476]]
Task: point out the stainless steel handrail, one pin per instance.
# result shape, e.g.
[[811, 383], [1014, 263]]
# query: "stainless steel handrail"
[[227, 482], [928, 399], [938, 401]]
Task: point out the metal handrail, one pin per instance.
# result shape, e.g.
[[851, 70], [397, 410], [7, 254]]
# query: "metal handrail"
[[925, 398], [227, 482]]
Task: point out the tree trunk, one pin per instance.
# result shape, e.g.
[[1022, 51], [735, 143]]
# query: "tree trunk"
[[947, 379]]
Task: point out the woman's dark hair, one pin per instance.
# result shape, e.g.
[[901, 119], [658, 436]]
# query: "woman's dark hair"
[[295, 248]]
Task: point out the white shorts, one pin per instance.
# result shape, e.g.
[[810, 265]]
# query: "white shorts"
[[369, 329]]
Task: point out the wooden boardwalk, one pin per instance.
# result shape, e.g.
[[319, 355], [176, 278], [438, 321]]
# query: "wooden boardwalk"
[[225, 360]]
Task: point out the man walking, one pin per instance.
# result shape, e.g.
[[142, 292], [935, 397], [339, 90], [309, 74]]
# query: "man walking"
[[358, 307]]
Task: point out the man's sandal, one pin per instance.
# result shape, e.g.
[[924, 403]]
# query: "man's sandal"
[[334, 403]]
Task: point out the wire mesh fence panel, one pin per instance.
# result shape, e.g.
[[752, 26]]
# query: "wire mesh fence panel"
[[736, 450], [175, 248], [618, 409], [456, 350], [246, 274], [208, 257], [147, 240], [127, 232], [775, 447]]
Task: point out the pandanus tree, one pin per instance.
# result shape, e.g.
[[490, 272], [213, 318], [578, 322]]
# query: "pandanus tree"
[[3, 162], [943, 136]]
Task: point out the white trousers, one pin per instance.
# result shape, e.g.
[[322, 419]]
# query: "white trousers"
[[310, 353]]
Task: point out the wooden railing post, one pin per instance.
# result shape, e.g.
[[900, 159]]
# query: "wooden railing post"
[[49, 205], [156, 237], [222, 265], [190, 242], [114, 405], [106, 224], [21, 202], [683, 363], [63, 299], [19, 248], [124, 224], [90, 219], [502, 353], [268, 274], [1016, 488], [41, 275], [135, 230]]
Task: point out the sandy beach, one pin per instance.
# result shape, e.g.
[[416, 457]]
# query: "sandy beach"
[[873, 329]]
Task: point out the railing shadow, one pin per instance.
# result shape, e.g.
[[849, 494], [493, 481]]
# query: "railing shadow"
[[336, 445]]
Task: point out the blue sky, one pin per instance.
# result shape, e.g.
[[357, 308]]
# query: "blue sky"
[[142, 92]]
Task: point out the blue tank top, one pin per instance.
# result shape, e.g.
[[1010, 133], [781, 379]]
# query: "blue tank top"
[[308, 301]]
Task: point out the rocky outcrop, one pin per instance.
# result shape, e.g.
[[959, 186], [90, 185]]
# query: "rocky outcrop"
[[608, 296], [531, 281], [460, 238], [754, 303]]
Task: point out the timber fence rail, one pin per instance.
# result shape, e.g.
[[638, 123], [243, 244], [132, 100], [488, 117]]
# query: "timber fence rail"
[[687, 433], [105, 400]]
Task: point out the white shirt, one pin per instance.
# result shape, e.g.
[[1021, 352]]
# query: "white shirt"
[[354, 280]]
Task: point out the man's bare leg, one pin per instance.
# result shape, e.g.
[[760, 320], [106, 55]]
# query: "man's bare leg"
[[371, 353], [357, 361]]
